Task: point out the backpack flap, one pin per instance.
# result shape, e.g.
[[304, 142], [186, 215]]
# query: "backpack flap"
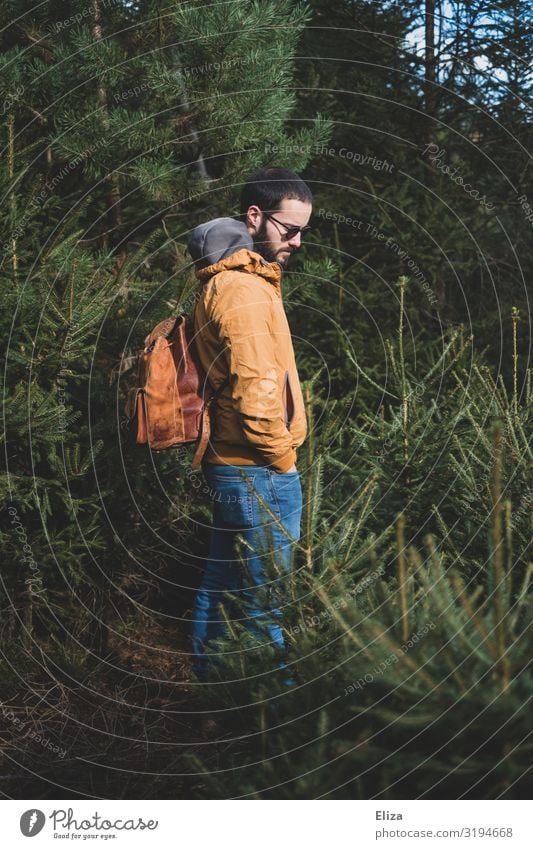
[[172, 385], [170, 404]]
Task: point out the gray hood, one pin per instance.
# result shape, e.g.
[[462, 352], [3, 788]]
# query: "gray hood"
[[217, 239]]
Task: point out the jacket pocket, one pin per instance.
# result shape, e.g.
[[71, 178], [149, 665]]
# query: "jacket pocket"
[[288, 401]]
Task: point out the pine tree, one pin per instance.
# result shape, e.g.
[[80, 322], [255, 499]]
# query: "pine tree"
[[407, 622], [123, 127], [404, 191]]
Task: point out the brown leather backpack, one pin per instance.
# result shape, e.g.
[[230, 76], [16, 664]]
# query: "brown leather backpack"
[[170, 404]]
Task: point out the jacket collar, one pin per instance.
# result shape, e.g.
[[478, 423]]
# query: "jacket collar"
[[244, 260]]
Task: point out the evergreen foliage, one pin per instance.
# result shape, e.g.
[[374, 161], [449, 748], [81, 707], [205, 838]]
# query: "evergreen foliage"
[[408, 623], [123, 125]]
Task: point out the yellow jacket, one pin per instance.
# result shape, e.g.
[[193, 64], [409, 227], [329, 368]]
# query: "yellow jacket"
[[241, 332]]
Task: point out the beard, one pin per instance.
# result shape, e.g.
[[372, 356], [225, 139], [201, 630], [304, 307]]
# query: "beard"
[[262, 247]]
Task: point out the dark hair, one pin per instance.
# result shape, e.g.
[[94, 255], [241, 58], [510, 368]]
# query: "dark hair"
[[267, 187]]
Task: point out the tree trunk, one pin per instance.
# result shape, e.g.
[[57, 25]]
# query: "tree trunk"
[[114, 197], [430, 91]]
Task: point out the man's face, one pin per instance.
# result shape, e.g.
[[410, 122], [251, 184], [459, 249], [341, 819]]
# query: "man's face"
[[269, 236]]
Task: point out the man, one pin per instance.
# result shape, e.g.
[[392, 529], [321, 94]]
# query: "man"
[[245, 347]]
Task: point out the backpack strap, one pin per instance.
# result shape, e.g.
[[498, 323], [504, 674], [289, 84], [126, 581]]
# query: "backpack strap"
[[205, 433], [205, 426]]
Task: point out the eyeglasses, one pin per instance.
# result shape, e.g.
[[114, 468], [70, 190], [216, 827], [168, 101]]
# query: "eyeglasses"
[[290, 232]]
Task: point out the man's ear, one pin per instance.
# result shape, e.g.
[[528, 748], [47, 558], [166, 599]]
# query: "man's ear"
[[253, 220]]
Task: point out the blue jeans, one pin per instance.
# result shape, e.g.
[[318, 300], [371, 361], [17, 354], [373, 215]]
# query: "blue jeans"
[[238, 512]]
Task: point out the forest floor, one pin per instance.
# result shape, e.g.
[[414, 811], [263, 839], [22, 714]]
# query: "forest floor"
[[128, 730]]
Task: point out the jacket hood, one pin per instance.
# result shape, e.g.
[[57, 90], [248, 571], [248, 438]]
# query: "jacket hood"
[[244, 260], [217, 239]]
